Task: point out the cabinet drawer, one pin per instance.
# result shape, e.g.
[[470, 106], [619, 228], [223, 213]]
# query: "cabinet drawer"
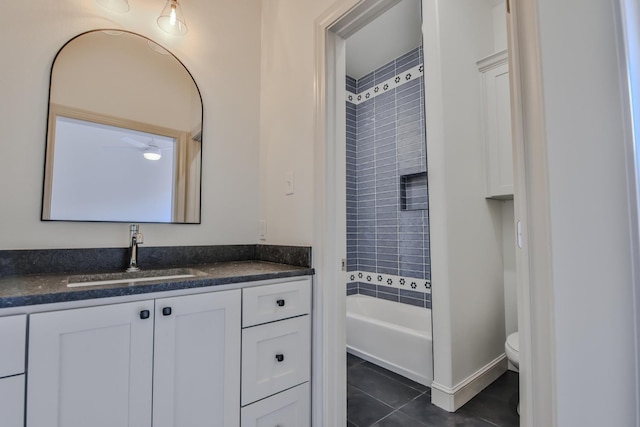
[[263, 304], [287, 409], [13, 331], [12, 401], [275, 357]]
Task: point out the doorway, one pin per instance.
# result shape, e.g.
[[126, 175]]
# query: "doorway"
[[342, 22]]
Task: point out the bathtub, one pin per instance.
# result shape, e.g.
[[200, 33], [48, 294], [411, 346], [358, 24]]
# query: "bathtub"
[[393, 335]]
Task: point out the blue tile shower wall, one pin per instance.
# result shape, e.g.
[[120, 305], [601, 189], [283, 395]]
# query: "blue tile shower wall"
[[352, 204], [386, 142]]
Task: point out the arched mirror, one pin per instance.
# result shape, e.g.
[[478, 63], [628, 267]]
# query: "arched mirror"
[[124, 133]]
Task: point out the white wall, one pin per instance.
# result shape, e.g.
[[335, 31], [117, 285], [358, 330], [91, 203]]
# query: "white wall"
[[466, 229], [499, 27], [221, 50], [287, 118], [121, 76], [394, 33], [589, 214]]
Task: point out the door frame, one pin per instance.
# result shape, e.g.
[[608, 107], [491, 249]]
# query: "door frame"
[[329, 375], [342, 19], [627, 14]]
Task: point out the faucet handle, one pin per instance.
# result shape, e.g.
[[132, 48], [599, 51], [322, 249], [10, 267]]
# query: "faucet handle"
[[139, 238]]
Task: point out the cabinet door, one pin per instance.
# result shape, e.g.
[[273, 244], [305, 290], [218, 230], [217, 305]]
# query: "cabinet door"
[[12, 401], [498, 132], [196, 378], [275, 356], [287, 409], [13, 333], [262, 304], [91, 367]]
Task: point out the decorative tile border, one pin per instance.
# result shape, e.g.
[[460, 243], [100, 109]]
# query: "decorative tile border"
[[385, 86], [388, 280]]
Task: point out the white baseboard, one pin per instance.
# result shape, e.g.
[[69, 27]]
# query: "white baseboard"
[[452, 398]]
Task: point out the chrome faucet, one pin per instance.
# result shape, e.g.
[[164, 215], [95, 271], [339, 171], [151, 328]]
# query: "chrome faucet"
[[135, 238]]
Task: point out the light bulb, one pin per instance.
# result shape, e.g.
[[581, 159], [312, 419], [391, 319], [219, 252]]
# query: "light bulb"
[[172, 19]]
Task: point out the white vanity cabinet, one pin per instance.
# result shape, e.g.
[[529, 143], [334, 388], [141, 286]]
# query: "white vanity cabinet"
[[496, 105], [196, 366], [91, 366], [276, 355], [13, 330], [164, 362], [289, 408]]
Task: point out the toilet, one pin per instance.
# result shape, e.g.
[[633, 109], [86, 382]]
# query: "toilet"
[[512, 349]]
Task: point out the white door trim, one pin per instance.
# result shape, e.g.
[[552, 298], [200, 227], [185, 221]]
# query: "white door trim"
[[628, 27], [341, 20], [531, 203]]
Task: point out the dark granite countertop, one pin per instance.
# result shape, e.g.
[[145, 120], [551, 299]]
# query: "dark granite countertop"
[[24, 290]]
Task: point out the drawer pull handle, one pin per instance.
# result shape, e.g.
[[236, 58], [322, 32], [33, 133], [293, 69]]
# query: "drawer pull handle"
[[280, 303], [166, 311], [144, 314], [279, 357]]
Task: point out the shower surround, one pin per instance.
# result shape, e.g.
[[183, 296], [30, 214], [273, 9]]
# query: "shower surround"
[[387, 198]]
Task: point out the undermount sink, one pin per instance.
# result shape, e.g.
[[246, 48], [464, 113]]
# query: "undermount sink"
[[133, 277]]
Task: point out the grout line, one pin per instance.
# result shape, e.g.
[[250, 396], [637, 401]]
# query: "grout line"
[[488, 421], [357, 425], [373, 397], [393, 410], [386, 416], [402, 406]]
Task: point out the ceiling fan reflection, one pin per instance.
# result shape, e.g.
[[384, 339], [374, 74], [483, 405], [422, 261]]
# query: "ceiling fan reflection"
[[150, 150]]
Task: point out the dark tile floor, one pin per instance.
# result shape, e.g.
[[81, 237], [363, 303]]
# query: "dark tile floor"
[[380, 398]]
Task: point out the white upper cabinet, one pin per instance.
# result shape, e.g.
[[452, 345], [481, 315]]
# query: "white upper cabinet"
[[494, 77]]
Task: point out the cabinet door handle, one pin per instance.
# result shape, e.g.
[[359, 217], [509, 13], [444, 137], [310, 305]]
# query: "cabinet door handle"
[[144, 314], [166, 311], [280, 303], [279, 357]]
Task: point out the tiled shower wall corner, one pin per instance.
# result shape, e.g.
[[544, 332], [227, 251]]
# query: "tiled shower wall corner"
[[386, 160]]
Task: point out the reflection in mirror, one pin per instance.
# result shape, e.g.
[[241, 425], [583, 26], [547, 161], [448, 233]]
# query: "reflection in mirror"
[[124, 133]]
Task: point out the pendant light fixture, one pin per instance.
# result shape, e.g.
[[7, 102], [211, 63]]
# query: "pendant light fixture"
[[172, 20], [115, 5]]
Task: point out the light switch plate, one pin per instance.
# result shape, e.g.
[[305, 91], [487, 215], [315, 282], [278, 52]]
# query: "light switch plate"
[[288, 183], [263, 229]]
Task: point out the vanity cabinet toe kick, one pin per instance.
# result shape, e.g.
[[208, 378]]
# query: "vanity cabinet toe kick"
[[226, 358]]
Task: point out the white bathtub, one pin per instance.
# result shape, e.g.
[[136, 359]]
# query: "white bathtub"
[[393, 335]]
